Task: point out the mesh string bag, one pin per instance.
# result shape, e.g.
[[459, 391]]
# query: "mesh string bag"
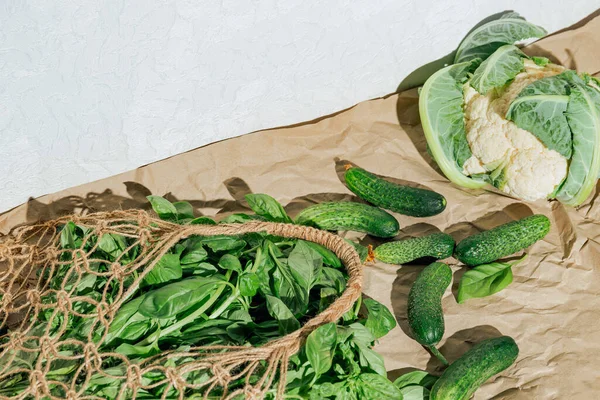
[[40, 268]]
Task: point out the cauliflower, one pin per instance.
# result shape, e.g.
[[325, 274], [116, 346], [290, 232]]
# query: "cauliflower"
[[498, 116], [529, 170], [532, 174]]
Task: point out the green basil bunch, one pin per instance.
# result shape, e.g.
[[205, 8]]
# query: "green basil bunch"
[[211, 290]]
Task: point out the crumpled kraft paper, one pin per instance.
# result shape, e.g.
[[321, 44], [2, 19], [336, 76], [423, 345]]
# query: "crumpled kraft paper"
[[552, 308]]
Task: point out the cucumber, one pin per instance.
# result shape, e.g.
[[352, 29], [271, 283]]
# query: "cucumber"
[[350, 216], [502, 240], [486, 359], [402, 199], [425, 314], [438, 245]]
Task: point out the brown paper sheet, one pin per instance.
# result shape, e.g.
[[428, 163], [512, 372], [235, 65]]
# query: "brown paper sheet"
[[552, 308]]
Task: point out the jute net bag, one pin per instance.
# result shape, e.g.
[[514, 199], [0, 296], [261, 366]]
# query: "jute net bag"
[[30, 256]]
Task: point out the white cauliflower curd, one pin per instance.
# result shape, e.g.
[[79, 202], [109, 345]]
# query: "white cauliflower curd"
[[529, 170]]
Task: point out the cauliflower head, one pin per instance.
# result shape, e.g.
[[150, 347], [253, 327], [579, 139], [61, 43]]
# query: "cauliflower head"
[[497, 116], [521, 165]]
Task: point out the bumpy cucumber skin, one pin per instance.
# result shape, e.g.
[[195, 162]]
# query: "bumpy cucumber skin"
[[503, 240], [438, 245], [402, 199], [464, 376], [350, 216], [425, 314]]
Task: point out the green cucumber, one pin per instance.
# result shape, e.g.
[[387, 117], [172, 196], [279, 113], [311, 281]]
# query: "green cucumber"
[[503, 240], [486, 359], [402, 199], [350, 216], [438, 245], [425, 313]]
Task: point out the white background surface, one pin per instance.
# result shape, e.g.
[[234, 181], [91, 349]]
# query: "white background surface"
[[98, 88]]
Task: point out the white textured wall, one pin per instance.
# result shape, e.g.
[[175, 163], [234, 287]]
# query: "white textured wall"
[[94, 89]]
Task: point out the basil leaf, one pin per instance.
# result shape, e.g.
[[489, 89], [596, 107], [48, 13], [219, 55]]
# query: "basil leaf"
[[485, 280], [179, 248], [239, 331], [327, 296], [293, 292], [331, 278], [86, 282], [139, 351], [238, 315], [376, 387], [415, 392], [368, 358], [345, 392], [206, 329], [60, 367], [166, 269], [274, 250], [112, 245], [305, 264], [184, 210], [223, 243], [319, 348], [202, 269], [68, 235], [193, 251], [135, 330], [379, 320], [286, 320], [263, 269], [267, 207], [344, 333], [194, 256], [289, 290], [326, 390], [360, 334], [203, 221], [102, 379], [230, 262], [170, 300], [328, 256], [255, 239], [163, 208], [249, 284], [421, 378], [299, 378], [148, 350], [237, 219], [125, 316]]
